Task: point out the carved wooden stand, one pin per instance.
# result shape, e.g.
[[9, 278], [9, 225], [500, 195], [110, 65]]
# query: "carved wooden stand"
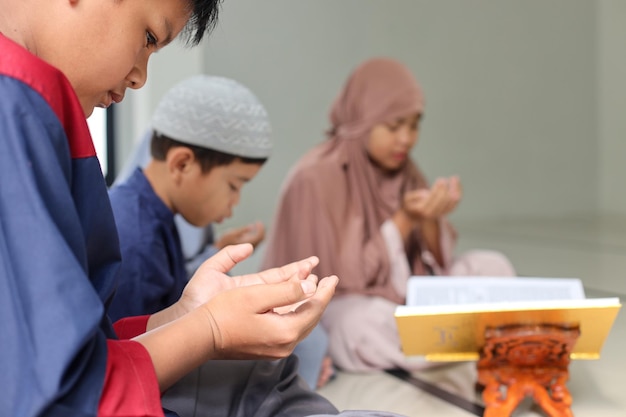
[[519, 361]]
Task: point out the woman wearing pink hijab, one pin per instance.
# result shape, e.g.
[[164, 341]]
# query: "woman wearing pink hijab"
[[359, 203]]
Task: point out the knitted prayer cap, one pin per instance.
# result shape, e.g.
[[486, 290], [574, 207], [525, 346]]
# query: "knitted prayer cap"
[[215, 113]]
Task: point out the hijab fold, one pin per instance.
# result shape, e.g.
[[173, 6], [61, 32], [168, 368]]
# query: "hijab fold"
[[335, 199]]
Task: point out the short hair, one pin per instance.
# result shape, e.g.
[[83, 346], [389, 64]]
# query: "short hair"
[[203, 19], [208, 158]]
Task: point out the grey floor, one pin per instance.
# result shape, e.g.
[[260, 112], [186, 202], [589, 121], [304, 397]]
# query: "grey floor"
[[590, 248]]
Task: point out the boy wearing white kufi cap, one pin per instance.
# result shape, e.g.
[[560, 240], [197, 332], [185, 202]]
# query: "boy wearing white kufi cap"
[[210, 136], [215, 113]]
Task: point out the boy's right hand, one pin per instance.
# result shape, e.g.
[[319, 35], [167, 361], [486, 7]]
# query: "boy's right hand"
[[252, 233]]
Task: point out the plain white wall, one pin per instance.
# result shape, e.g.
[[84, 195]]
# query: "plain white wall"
[[612, 105], [509, 88], [520, 95]]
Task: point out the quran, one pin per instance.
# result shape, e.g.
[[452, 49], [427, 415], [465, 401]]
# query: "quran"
[[447, 318]]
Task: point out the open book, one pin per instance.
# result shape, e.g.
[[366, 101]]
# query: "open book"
[[445, 317]]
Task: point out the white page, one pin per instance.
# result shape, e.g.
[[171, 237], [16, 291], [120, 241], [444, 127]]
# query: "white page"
[[445, 290], [508, 306]]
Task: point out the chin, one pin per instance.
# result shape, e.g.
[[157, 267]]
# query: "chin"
[[392, 168]]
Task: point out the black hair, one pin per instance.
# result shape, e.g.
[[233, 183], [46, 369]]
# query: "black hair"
[[203, 19], [208, 158]]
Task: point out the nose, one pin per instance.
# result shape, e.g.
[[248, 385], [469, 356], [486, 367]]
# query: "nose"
[[406, 136], [139, 74]]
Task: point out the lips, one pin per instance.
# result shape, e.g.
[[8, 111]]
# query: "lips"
[[399, 156], [116, 98], [111, 98]]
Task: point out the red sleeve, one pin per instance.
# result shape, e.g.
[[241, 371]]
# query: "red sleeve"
[[129, 327], [130, 384]]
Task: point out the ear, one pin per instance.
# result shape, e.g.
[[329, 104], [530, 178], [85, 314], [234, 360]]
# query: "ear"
[[180, 161]]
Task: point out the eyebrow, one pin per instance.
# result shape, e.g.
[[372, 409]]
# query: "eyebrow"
[[168, 32], [413, 119]]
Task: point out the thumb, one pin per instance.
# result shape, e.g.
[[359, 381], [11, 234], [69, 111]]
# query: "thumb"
[[241, 230], [224, 260]]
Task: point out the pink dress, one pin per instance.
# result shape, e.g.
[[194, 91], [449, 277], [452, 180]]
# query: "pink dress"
[[337, 204]]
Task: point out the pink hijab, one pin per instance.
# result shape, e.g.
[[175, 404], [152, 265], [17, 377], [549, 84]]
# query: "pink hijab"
[[335, 199]]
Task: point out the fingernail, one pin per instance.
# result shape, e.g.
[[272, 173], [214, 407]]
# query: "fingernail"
[[329, 281], [308, 287]]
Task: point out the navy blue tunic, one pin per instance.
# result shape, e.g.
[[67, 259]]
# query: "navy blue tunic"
[[153, 264]]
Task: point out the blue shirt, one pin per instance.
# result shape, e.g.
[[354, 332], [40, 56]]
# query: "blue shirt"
[[196, 242], [153, 265]]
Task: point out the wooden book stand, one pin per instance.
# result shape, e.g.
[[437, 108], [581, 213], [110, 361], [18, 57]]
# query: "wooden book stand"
[[519, 361]]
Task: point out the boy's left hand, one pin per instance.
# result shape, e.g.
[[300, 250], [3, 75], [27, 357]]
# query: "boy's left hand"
[[252, 233], [211, 277]]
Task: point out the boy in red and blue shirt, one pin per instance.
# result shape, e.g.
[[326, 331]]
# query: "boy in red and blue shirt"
[[59, 251]]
